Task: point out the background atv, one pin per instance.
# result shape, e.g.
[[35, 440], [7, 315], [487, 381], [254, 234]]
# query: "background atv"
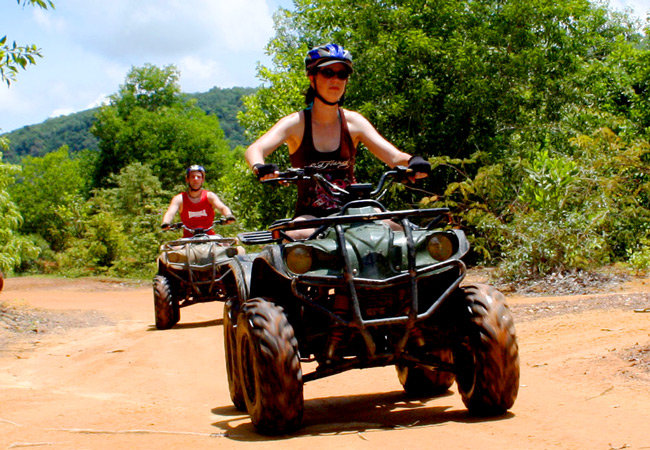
[[190, 270], [359, 294]]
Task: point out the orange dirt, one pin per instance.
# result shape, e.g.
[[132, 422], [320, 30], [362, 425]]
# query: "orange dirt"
[[94, 373]]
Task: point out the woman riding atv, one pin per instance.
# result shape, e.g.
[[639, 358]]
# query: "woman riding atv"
[[325, 137]]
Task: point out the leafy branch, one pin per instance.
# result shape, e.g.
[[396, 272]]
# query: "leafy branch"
[[14, 57]]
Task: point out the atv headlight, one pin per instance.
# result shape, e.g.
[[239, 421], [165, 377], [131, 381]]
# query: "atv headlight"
[[298, 259], [440, 247]]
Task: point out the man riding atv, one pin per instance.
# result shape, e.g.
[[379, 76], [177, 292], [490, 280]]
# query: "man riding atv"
[[190, 269], [197, 205]]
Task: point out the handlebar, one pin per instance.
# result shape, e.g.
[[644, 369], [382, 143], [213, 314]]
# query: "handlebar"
[[355, 191], [196, 231]]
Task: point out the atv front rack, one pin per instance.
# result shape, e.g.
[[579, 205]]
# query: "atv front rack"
[[277, 230], [193, 269], [352, 284]]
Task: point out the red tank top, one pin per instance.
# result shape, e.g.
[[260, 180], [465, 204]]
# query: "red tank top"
[[336, 166], [197, 215]]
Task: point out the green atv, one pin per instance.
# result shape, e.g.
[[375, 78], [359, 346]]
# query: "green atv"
[[190, 270], [358, 294]]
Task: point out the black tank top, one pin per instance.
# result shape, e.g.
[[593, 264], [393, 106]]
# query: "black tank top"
[[336, 166]]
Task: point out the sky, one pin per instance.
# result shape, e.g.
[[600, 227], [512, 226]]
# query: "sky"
[[89, 46]]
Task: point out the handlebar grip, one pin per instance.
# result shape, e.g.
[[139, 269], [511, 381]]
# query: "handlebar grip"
[[293, 173], [288, 175]]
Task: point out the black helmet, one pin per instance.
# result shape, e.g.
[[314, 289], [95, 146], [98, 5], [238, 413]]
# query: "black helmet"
[[195, 168], [325, 55]]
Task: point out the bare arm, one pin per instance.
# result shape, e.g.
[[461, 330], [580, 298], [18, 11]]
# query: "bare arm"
[[363, 131], [174, 206], [287, 130], [218, 205]]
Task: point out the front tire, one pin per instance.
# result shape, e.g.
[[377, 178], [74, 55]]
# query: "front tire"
[[270, 369], [487, 362], [230, 344], [230, 312], [166, 307]]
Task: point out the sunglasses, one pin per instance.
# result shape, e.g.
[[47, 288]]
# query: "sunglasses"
[[330, 73]]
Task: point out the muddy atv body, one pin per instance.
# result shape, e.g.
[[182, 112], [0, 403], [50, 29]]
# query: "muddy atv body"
[[190, 270], [358, 294]]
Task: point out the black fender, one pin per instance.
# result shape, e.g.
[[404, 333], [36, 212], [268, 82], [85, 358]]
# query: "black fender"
[[268, 276]]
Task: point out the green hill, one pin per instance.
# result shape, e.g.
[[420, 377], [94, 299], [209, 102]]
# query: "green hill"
[[37, 140], [225, 104], [73, 130]]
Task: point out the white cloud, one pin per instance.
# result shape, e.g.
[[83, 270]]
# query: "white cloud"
[[122, 29], [61, 112], [49, 22], [101, 100], [199, 73], [239, 34], [12, 102], [639, 8]]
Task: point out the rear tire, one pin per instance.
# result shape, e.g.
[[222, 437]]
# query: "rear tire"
[[419, 381], [270, 369], [166, 307], [487, 362]]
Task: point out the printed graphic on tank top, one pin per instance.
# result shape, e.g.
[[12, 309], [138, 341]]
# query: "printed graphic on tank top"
[[197, 215], [336, 167]]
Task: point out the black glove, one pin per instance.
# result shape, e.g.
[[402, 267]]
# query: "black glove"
[[419, 165], [164, 226], [264, 169], [229, 219]]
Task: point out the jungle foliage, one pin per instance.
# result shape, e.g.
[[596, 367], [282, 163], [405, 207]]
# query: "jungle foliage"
[[98, 212], [535, 115]]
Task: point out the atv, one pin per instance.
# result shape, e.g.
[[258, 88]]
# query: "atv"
[[360, 292], [190, 270]]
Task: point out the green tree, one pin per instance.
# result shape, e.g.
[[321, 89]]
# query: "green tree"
[[485, 89], [51, 190], [13, 56], [14, 248], [453, 78], [148, 121], [121, 235]]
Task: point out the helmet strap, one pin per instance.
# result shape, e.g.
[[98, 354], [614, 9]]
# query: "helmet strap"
[[191, 190], [320, 97]]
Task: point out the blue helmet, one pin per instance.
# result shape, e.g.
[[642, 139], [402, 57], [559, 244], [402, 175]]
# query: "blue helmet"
[[195, 168], [325, 55]]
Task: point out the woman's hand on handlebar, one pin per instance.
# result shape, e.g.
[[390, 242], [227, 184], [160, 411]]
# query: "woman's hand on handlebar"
[[266, 171], [419, 168]]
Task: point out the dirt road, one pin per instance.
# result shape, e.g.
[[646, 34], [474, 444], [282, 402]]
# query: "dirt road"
[[98, 375]]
